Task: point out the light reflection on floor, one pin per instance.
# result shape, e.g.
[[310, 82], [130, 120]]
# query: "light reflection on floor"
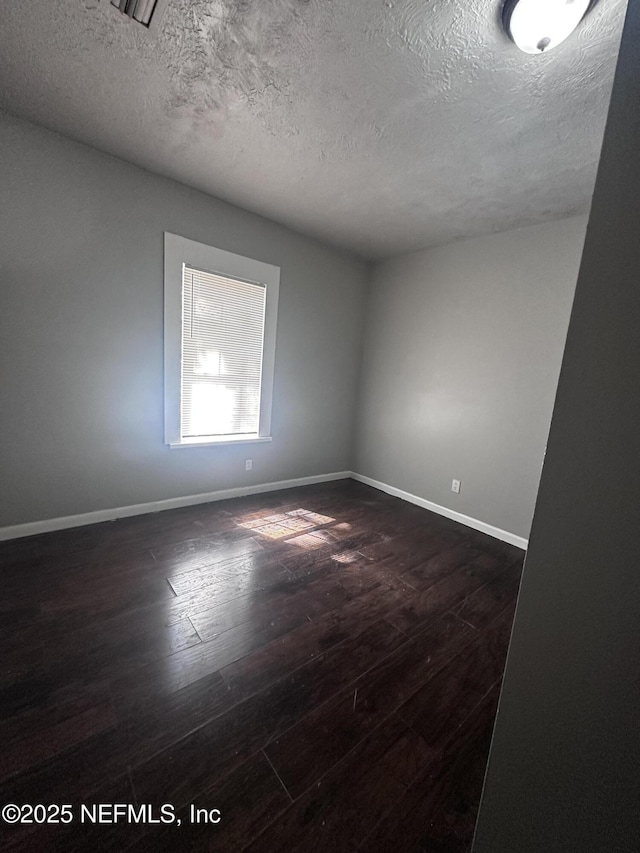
[[309, 541], [287, 524], [231, 584], [346, 557]]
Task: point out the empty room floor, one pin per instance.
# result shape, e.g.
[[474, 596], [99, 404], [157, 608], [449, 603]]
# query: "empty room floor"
[[321, 665]]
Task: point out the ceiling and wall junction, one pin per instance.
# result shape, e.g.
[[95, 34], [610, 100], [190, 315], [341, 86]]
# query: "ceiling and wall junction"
[[380, 126]]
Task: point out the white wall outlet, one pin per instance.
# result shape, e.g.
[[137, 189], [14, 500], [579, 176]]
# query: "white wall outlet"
[[455, 486], [248, 464]]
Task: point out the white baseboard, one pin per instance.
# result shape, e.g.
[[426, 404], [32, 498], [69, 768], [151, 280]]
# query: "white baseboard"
[[48, 525], [482, 526]]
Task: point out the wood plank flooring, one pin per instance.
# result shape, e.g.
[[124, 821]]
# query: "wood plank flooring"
[[321, 665]]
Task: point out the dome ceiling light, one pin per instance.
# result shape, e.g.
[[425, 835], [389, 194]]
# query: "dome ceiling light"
[[537, 26]]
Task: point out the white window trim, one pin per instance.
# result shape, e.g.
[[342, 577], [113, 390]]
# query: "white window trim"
[[179, 251]]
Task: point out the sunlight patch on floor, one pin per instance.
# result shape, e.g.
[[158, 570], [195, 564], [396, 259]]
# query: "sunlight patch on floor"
[[282, 524]]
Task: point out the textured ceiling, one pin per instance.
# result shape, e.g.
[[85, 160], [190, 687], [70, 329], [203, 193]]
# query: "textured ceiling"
[[381, 126]]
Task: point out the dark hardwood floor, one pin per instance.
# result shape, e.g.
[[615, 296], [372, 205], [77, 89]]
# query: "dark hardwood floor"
[[320, 664]]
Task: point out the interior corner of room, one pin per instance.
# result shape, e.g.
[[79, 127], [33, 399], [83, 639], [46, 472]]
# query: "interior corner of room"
[[409, 372]]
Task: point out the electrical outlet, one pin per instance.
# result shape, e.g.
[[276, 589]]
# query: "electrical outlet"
[[248, 464], [455, 486]]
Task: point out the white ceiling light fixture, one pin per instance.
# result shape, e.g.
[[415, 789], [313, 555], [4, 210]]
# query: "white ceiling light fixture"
[[537, 26]]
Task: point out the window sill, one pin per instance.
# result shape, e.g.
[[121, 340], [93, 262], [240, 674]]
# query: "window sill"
[[216, 442]]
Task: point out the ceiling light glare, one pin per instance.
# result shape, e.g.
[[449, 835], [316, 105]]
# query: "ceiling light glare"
[[537, 26]]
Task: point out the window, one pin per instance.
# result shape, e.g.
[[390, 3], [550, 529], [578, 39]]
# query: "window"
[[220, 335]]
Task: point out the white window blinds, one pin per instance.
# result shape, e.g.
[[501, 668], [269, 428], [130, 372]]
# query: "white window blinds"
[[222, 346]]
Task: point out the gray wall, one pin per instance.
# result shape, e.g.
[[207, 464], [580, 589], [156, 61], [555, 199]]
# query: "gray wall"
[[564, 771], [81, 300], [461, 362]]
